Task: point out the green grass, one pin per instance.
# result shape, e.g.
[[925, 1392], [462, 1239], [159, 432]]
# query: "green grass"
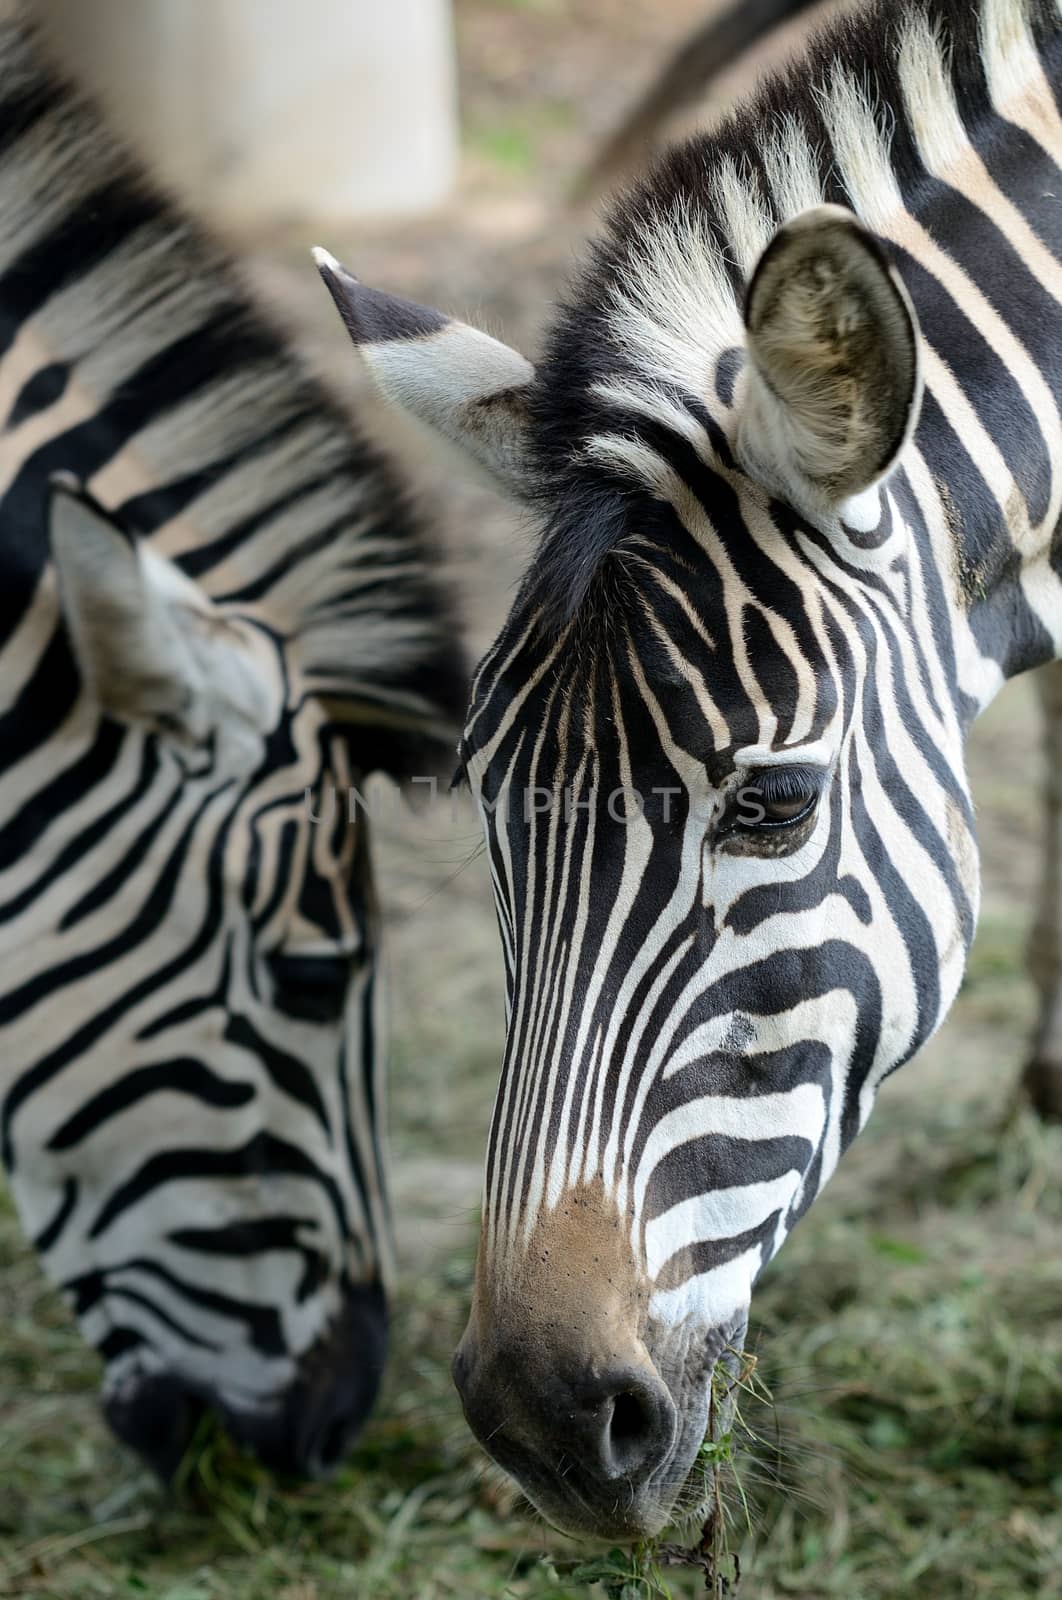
[[920, 1380], [504, 145], [911, 1337], [512, 144]]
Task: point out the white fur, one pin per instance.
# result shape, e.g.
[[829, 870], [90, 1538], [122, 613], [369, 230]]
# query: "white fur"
[[1012, 65], [748, 222], [862, 151], [149, 644], [791, 169], [930, 102], [446, 379], [673, 308]]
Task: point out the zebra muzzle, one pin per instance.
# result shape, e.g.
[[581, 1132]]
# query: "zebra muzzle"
[[305, 1431]]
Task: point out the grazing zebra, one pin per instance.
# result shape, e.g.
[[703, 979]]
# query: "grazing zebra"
[[797, 448], [190, 1037]]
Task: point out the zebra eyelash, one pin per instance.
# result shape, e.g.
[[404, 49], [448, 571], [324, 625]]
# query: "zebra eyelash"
[[776, 784], [748, 811]]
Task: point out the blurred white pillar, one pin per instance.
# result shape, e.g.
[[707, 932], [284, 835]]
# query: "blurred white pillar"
[[267, 109]]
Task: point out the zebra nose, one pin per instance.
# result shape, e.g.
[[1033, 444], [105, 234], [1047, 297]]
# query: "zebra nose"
[[307, 1438], [586, 1430], [327, 1406], [323, 1434], [304, 1432], [622, 1426]]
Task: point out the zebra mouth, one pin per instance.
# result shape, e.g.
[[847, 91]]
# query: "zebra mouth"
[[623, 1510], [156, 1415], [681, 1485], [620, 1464], [305, 1431], [709, 1423]]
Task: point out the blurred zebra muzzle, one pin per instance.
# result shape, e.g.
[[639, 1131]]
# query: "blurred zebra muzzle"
[[305, 1432], [156, 1417]]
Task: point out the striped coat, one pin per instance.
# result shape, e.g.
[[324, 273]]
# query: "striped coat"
[[796, 450], [215, 610]]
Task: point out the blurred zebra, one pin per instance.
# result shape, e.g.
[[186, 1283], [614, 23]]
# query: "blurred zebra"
[[797, 447], [686, 78], [191, 1045]]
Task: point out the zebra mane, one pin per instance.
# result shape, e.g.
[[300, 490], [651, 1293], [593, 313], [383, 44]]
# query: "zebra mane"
[[650, 337], [236, 462]]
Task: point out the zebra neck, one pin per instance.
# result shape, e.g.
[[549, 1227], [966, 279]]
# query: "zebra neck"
[[982, 263], [1003, 570]]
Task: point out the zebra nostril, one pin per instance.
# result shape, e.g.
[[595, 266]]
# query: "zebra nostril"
[[628, 1422], [617, 1424], [333, 1445], [636, 1427], [328, 1409], [326, 1446]]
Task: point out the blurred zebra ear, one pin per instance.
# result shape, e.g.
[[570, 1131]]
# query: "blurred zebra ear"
[[151, 648], [466, 387], [834, 383]]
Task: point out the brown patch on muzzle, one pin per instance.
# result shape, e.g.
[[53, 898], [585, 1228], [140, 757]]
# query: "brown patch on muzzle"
[[575, 1283], [555, 1371]]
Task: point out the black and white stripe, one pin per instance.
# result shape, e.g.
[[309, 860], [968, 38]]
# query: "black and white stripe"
[[190, 1033], [796, 443]]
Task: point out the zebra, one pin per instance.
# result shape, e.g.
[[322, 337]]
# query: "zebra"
[[218, 612], [795, 454], [685, 79]]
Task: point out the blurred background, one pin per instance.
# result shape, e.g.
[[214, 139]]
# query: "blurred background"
[[911, 1333]]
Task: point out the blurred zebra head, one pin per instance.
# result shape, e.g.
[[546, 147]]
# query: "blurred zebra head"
[[718, 745], [195, 682], [192, 969]]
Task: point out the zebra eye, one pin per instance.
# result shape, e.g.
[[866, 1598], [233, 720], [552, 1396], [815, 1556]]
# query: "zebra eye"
[[778, 797], [311, 988]]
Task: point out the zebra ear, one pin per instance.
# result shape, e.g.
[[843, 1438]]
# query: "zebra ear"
[[466, 387], [834, 384], [151, 648]]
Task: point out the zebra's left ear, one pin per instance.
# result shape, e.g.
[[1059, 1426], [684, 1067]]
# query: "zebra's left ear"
[[151, 647], [465, 387], [834, 384]]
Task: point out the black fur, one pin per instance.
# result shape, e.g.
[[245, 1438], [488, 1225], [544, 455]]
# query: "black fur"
[[584, 507]]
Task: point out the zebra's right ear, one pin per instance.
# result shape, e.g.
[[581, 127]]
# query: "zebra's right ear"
[[834, 383], [467, 388]]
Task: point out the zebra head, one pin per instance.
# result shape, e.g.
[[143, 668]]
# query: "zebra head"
[[717, 752], [194, 1139]]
